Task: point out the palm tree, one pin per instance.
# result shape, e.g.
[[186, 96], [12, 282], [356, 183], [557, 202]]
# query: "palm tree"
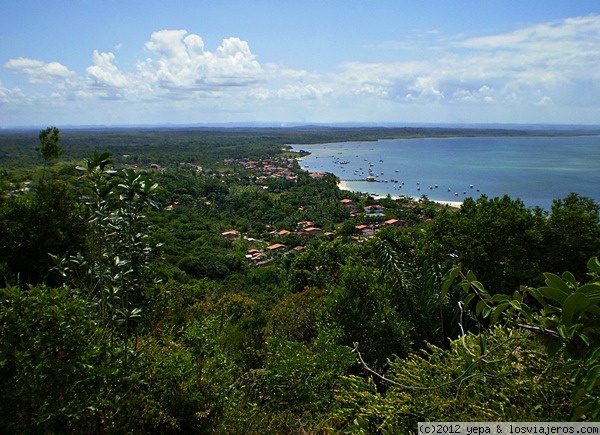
[[418, 285]]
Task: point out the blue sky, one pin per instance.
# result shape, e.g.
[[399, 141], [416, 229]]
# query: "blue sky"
[[116, 62]]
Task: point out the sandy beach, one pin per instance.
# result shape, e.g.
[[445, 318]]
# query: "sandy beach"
[[344, 186]]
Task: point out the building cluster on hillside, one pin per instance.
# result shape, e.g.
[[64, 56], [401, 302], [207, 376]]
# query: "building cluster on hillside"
[[277, 167], [307, 229], [371, 211], [317, 175], [261, 257], [271, 167]]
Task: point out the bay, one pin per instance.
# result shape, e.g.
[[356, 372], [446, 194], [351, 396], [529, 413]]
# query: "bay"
[[536, 170]]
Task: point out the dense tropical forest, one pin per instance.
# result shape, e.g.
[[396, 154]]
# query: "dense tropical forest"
[[197, 281]]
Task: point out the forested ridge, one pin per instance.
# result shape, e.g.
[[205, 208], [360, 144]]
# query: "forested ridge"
[[197, 281]]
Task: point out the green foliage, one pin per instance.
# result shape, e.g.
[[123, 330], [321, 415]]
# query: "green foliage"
[[321, 266], [564, 315], [295, 317], [301, 376], [507, 245], [572, 235], [205, 263], [293, 392], [362, 310], [497, 376], [172, 396], [115, 269], [242, 328], [222, 346], [499, 239], [49, 147], [32, 226], [416, 285], [266, 284], [53, 378], [61, 372]]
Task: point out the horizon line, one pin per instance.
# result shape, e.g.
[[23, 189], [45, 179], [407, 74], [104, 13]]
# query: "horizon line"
[[345, 124]]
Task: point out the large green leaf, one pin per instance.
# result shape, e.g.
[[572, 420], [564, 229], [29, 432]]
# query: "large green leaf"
[[498, 311], [570, 278], [553, 293], [537, 294], [479, 308], [594, 264], [500, 298], [557, 282], [550, 309], [572, 306], [480, 289], [467, 300], [591, 290], [515, 304], [562, 331]]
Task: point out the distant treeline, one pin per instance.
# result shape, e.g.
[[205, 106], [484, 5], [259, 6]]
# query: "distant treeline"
[[207, 145]]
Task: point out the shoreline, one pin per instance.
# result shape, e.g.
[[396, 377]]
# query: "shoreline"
[[343, 185]]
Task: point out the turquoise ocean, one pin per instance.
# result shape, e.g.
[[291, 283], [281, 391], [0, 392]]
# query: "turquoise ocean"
[[536, 170]]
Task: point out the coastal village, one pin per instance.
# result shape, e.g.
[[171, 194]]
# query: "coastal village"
[[306, 230], [373, 217], [370, 218]]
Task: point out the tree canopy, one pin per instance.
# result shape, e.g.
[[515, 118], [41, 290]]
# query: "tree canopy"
[[200, 282], [49, 147]]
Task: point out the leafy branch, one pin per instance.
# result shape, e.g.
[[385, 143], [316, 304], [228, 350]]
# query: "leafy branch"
[[115, 268], [460, 378], [564, 315]]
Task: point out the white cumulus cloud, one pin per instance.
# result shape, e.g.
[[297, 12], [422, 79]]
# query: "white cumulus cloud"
[[552, 67], [182, 62], [39, 72], [104, 72]]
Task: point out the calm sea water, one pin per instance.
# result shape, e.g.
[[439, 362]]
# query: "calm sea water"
[[536, 170]]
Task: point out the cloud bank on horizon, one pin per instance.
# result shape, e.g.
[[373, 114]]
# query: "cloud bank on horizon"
[[542, 73]]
